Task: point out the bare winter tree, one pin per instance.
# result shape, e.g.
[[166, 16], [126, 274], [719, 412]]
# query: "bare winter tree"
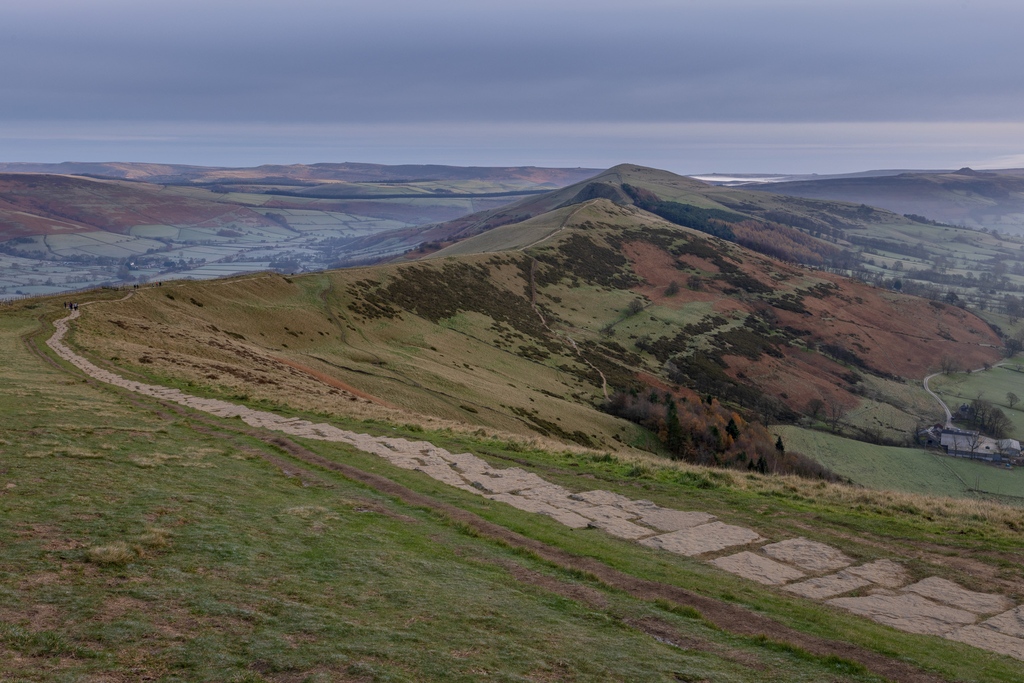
[[949, 365], [815, 407], [1012, 399], [998, 424], [981, 412], [768, 408], [834, 413], [973, 439]]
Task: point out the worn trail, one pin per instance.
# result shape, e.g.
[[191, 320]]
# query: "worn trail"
[[879, 590]]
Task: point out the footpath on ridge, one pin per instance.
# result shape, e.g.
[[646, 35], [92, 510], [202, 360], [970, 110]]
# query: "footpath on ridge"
[[881, 589]]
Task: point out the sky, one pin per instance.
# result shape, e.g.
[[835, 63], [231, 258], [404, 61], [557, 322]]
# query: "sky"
[[692, 86]]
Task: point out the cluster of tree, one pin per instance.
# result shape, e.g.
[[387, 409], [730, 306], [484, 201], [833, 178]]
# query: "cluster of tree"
[[711, 221], [873, 244], [815, 227], [985, 279], [783, 242], [988, 418], [927, 221], [707, 433]]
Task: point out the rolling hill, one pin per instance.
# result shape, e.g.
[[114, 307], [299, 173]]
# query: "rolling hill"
[[992, 200], [980, 269], [138, 222], [555, 315], [176, 507], [46, 205]]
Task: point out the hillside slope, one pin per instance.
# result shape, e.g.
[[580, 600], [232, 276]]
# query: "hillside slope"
[[978, 268], [43, 205], [993, 200], [146, 539], [534, 341]]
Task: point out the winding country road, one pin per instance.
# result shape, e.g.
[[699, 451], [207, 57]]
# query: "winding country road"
[[945, 408]]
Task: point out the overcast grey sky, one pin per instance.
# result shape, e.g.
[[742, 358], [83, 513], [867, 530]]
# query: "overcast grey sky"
[[689, 85]]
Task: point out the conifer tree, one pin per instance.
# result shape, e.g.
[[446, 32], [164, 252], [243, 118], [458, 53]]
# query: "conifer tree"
[[674, 435]]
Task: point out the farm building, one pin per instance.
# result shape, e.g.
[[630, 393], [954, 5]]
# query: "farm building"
[[963, 443]]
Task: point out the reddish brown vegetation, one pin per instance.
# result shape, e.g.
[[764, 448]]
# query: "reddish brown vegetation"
[[49, 204], [887, 333], [707, 433]]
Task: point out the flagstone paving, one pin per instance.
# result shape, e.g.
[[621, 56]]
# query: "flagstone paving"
[[933, 605]]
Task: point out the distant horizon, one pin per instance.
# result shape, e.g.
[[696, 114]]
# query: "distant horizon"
[[738, 174]]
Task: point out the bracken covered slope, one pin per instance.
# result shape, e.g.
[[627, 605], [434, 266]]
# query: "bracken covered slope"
[[607, 298]]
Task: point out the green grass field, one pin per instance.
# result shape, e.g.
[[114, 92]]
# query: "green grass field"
[[992, 385], [913, 470]]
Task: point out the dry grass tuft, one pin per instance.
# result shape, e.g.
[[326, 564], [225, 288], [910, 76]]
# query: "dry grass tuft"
[[155, 537], [73, 452], [152, 460], [116, 553], [311, 512]]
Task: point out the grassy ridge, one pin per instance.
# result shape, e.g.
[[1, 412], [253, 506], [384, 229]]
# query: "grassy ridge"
[[546, 331]]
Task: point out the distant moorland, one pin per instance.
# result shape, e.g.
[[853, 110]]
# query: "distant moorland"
[[68, 226]]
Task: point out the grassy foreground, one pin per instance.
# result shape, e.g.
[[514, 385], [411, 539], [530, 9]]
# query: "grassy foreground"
[[138, 548], [143, 543]]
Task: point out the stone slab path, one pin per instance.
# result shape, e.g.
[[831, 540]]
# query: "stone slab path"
[[806, 568]]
